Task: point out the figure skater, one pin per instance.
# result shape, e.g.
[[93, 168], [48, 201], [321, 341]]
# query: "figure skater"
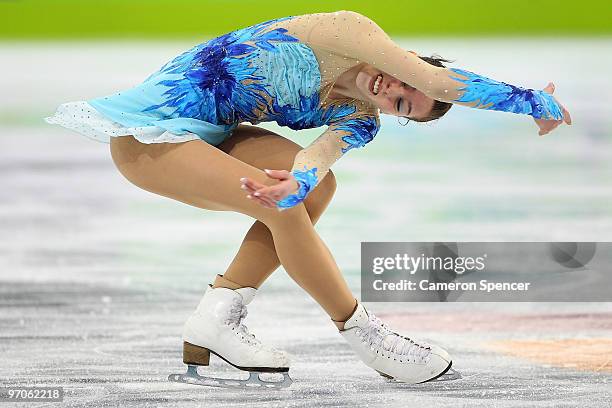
[[181, 134]]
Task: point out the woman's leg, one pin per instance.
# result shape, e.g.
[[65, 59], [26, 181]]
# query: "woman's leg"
[[203, 176], [256, 259]]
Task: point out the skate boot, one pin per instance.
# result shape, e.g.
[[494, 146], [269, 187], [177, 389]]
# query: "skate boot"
[[216, 327], [394, 356]]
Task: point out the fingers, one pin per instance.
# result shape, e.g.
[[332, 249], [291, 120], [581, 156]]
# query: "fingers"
[[268, 196], [262, 201], [251, 184], [268, 193], [251, 187], [544, 131], [265, 190], [566, 117], [278, 174], [548, 127], [271, 194], [248, 188], [550, 88]]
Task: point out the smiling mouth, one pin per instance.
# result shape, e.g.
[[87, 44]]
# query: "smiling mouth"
[[375, 84]]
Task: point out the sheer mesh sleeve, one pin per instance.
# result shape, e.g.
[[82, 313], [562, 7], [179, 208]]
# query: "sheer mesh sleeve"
[[351, 35], [312, 163]]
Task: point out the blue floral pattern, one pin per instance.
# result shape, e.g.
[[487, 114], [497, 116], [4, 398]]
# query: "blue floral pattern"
[[307, 180], [308, 114], [362, 130], [494, 95], [212, 76], [238, 77]]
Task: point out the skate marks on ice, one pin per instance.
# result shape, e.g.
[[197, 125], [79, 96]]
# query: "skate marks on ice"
[[488, 379], [90, 339], [120, 352], [102, 344]]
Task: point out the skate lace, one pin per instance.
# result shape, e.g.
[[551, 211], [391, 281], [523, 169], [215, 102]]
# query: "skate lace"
[[237, 313], [376, 332]]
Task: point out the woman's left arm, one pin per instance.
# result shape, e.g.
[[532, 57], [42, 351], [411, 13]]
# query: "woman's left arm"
[[354, 35]]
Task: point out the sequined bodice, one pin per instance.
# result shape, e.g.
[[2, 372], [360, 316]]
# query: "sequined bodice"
[[254, 74]]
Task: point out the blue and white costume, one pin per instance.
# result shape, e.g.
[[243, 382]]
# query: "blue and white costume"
[[283, 70]]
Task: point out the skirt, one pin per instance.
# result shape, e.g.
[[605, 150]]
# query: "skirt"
[[137, 112]]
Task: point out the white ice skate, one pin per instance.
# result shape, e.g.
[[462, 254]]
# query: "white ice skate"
[[394, 356], [216, 327]]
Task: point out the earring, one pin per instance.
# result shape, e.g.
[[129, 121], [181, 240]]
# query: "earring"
[[403, 124]]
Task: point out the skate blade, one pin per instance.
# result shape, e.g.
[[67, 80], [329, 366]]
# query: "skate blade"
[[254, 381], [449, 375]]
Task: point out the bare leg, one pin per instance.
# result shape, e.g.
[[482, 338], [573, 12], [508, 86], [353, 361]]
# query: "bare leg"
[[256, 259], [203, 176]]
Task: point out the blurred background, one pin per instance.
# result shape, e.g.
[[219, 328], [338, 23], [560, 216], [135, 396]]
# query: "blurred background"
[[97, 276]]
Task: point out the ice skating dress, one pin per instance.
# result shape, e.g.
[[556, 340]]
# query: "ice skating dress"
[[283, 70]]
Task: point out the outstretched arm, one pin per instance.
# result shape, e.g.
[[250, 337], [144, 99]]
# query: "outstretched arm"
[[354, 35], [312, 163]]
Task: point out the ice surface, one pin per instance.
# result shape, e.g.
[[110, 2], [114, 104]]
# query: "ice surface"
[[97, 276]]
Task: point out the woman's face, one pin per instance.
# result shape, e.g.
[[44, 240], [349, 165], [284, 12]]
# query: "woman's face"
[[391, 95]]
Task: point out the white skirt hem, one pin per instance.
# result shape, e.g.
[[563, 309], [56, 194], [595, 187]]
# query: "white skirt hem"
[[83, 118]]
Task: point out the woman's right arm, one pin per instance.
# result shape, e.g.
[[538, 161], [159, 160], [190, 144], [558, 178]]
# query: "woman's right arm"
[[350, 34], [312, 163]]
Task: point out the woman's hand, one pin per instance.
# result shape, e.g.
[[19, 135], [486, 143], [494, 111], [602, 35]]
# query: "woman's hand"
[[547, 125], [266, 195]]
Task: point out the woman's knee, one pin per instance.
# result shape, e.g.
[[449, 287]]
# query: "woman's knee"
[[321, 196], [328, 186], [290, 218]]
